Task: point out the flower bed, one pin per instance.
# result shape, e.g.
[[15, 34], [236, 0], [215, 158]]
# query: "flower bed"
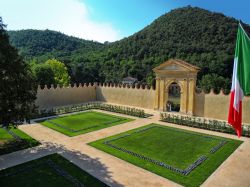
[[203, 123], [88, 106]]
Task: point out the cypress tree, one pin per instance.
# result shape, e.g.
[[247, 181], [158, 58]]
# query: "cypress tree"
[[17, 84]]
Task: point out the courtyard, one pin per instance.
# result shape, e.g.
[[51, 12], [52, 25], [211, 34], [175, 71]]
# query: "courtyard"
[[154, 153]]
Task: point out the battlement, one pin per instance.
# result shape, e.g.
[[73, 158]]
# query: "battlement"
[[211, 104], [112, 85]]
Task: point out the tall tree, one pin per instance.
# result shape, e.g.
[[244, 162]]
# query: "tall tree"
[[60, 71], [17, 85], [44, 74]]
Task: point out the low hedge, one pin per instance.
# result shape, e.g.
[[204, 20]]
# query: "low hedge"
[[88, 106], [203, 123]]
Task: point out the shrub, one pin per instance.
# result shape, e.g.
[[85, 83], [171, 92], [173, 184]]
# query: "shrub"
[[202, 123], [88, 106]]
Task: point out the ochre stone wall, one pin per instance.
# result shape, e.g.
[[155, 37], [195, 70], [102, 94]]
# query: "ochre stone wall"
[[48, 98], [216, 106], [137, 97], [205, 105]]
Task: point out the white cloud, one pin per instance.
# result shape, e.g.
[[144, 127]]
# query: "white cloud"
[[68, 16]]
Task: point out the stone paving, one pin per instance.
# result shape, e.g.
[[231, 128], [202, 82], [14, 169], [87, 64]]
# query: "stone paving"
[[235, 171]]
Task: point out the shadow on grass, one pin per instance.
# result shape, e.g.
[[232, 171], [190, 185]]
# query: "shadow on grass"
[[15, 145], [93, 166]]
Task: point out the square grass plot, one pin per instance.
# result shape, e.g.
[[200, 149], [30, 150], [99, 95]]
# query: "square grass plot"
[[49, 171], [185, 157], [81, 123]]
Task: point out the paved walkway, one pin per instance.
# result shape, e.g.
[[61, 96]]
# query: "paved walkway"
[[116, 172]]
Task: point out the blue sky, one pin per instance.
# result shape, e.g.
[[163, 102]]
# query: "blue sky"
[[104, 20]]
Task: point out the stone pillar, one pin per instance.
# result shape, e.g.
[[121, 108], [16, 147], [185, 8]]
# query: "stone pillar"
[[157, 94], [166, 92], [162, 94], [184, 97], [191, 92]]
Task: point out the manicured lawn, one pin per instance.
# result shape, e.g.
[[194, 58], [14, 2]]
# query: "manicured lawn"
[[84, 122], [52, 170], [8, 143], [185, 157]]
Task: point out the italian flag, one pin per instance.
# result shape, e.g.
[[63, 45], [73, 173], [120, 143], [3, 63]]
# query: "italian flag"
[[241, 79]]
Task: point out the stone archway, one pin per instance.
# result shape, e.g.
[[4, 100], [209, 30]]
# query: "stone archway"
[[172, 101], [184, 74]]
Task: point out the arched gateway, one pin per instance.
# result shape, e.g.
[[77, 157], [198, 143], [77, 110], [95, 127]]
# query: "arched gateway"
[[181, 73]]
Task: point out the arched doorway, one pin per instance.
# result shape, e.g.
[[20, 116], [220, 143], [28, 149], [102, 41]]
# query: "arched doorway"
[[174, 98], [176, 71]]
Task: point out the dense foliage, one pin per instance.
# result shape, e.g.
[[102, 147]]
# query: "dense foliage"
[[17, 85], [198, 36], [44, 74], [46, 44], [60, 72], [50, 72]]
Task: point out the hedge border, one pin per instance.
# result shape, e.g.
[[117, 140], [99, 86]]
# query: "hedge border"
[[203, 123], [90, 106]]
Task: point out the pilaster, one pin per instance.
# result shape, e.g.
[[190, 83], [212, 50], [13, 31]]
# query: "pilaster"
[[162, 94], [184, 94], [191, 91], [157, 94]]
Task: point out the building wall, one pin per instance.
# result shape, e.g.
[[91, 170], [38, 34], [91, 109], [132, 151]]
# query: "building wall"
[[216, 106], [48, 98], [137, 97], [205, 105]]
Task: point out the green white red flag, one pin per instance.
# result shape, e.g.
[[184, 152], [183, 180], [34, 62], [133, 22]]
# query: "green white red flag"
[[240, 80]]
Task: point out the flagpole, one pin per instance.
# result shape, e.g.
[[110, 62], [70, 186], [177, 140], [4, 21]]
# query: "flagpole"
[[243, 29]]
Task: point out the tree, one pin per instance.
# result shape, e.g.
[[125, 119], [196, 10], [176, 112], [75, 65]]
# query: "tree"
[[216, 82], [60, 71], [44, 74], [17, 85]]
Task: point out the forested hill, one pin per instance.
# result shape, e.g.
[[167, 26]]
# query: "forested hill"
[[46, 43], [200, 37]]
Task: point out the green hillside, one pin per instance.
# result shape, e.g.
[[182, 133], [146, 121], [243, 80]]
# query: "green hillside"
[[46, 43], [200, 37]]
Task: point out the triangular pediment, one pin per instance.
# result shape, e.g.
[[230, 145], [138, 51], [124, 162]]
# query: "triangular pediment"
[[174, 65]]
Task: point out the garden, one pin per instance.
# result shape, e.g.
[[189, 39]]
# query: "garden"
[[84, 122], [49, 171], [185, 157]]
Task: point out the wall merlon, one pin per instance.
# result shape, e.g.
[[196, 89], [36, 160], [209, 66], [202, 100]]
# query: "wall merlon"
[[208, 105]]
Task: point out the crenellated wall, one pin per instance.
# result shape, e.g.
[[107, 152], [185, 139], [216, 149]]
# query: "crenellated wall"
[[52, 97], [138, 96], [216, 106], [208, 105]]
